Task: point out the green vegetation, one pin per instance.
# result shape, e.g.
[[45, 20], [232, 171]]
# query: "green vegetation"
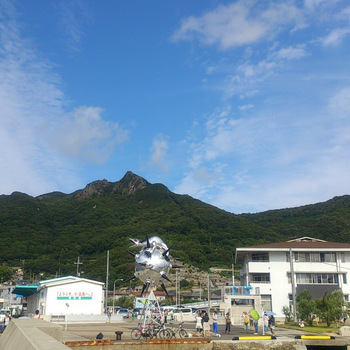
[[287, 313], [315, 328], [331, 309], [46, 234], [5, 273]]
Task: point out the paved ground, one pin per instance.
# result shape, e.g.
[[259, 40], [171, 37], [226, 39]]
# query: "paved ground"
[[89, 331]]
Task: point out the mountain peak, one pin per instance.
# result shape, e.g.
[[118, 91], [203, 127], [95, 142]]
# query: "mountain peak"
[[130, 183]]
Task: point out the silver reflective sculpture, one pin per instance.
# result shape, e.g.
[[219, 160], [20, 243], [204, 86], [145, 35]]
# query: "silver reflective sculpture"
[[152, 262]]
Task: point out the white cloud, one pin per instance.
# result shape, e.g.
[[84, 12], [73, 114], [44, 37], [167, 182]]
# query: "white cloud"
[[335, 37], [339, 103], [159, 151], [291, 52], [237, 24], [197, 183], [72, 16], [84, 135], [33, 114]]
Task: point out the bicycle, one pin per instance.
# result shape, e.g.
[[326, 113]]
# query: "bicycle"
[[178, 330], [160, 331], [140, 331]]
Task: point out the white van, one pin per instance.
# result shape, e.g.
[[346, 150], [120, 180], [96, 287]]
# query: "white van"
[[183, 314]]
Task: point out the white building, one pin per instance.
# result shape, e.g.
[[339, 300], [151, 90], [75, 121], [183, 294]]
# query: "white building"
[[279, 271], [63, 296], [7, 298]]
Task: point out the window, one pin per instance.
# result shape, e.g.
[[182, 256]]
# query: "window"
[[302, 257], [314, 257], [260, 278], [345, 280], [266, 302], [260, 257], [327, 257], [317, 278]]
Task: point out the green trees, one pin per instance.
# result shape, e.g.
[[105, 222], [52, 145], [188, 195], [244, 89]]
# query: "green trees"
[[126, 302], [331, 308], [184, 284], [305, 306], [5, 273]]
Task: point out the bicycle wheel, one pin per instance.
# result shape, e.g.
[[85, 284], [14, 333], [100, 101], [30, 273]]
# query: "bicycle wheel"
[[171, 333], [182, 333], [149, 333], [164, 334], [136, 334]]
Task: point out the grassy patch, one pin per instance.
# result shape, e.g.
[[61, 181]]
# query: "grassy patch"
[[320, 328]]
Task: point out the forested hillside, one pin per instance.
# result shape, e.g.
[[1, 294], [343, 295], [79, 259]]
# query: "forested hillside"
[[49, 232]]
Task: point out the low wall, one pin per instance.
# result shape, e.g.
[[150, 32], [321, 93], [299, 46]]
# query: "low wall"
[[82, 318], [31, 334]]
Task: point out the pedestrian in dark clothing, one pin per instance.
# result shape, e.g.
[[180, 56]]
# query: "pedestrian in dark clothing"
[[271, 324], [228, 323]]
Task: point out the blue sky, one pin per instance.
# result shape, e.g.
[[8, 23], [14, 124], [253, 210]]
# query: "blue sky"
[[242, 104]]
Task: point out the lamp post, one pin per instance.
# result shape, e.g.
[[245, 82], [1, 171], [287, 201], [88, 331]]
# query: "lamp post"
[[118, 279], [67, 305]]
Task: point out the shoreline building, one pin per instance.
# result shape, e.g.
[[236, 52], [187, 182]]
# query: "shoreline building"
[[279, 271], [68, 295]]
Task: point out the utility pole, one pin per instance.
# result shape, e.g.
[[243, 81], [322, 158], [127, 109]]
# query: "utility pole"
[[78, 263], [209, 306], [107, 274], [292, 276]]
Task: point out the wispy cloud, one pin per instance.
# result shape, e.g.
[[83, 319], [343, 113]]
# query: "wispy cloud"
[[239, 23], [291, 52], [277, 154], [335, 37], [84, 135], [39, 137], [72, 17], [159, 151]]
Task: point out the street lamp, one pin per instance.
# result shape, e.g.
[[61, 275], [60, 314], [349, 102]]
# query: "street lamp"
[[66, 317], [118, 279]]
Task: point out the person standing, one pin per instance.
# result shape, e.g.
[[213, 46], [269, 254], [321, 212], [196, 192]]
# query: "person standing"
[[266, 322], [109, 315], [245, 321], [206, 327], [215, 324], [228, 323], [199, 326], [255, 323], [271, 324], [37, 315], [7, 320]]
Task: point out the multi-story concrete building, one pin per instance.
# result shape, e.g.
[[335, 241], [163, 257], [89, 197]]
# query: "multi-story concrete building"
[[279, 271]]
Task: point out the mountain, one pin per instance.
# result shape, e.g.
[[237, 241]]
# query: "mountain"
[[47, 233]]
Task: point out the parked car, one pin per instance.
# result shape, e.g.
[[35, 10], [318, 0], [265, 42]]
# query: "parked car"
[[136, 311], [179, 313], [124, 313]]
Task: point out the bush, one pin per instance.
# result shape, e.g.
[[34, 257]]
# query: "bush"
[[287, 313]]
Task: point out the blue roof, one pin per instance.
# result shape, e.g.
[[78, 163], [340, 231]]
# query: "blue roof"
[[27, 290]]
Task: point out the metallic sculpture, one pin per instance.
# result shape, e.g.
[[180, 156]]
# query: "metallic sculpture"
[[152, 262]]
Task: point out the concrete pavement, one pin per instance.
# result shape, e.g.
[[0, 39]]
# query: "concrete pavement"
[[90, 331]]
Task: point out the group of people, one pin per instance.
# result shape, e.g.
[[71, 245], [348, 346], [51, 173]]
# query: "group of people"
[[268, 321], [202, 324]]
